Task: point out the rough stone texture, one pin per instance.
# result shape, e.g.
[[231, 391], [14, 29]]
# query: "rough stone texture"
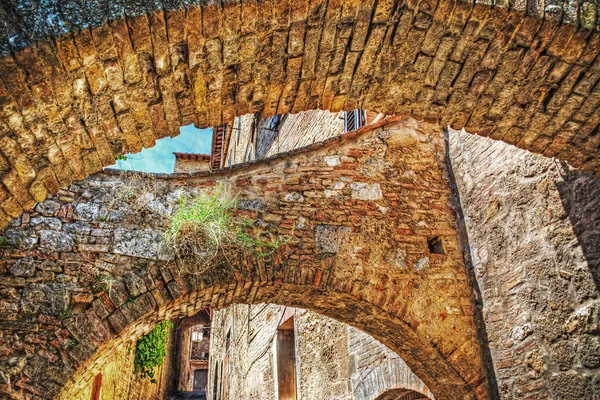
[[314, 126], [333, 360], [425, 316], [25, 23], [251, 332], [534, 235], [378, 373], [87, 81], [252, 137]]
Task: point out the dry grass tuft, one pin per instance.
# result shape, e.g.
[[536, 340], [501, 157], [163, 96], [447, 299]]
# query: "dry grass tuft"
[[204, 232]]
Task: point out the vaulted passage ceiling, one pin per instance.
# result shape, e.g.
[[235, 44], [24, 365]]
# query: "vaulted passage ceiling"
[[84, 82]]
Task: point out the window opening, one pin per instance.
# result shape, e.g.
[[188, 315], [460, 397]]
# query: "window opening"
[[353, 120], [435, 245], [96, 386], [286, 360], [274, 123]]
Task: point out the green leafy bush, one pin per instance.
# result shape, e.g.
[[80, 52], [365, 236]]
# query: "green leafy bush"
[[151, 350], [203, 231]]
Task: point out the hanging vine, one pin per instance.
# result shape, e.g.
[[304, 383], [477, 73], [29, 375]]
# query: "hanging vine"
[[151, 350]]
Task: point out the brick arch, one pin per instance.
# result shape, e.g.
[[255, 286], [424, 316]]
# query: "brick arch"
[[401, 394], [364, 206], [343, 307], [87, 82]]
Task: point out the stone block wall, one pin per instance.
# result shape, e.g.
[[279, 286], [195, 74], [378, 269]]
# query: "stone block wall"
[[251, 137], [251, 332], [187, 163], [375, 369], [297, 130], [198, 348], [240, 141], [534, 235], [322, 357]]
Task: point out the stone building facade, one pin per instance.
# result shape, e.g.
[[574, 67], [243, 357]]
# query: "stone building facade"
[[186, 162], [252, 137], [487, 284], [536, 240], [112, 226], [85, 82], [192, 352]]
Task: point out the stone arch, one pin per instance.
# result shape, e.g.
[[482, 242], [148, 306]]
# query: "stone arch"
[[342, 307], [343, 196], [86, 83], [401, 394]]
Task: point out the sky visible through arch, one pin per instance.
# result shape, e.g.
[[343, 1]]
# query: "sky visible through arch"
[[160, 158]]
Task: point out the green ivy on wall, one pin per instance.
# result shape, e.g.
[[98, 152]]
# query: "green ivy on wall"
[[151, 350]]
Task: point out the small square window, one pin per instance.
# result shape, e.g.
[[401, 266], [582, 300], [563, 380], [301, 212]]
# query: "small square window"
[[197, 336]]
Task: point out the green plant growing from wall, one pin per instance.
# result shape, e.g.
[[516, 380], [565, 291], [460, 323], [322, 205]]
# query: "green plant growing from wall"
[[14, 241], [71, 343], [101, 283], [66, 313], [203, 231], [151, 350]]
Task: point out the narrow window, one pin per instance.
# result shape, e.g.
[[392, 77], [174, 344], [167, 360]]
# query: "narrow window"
[[353, 120], [286, 360], [96, 386], [274, 123]]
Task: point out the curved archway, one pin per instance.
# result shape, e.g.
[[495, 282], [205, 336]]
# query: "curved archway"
[[86, 83], [411, 299], [401, 394], [342, 307]]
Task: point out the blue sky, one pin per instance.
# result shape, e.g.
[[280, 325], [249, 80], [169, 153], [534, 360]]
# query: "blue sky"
[[160, 158]]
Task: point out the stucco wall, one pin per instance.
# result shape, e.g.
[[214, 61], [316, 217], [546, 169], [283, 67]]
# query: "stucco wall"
[[534, 235]]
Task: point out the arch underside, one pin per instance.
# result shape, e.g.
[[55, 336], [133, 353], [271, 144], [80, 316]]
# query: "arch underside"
[[76, 93], [401, 394], [341, 306]]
